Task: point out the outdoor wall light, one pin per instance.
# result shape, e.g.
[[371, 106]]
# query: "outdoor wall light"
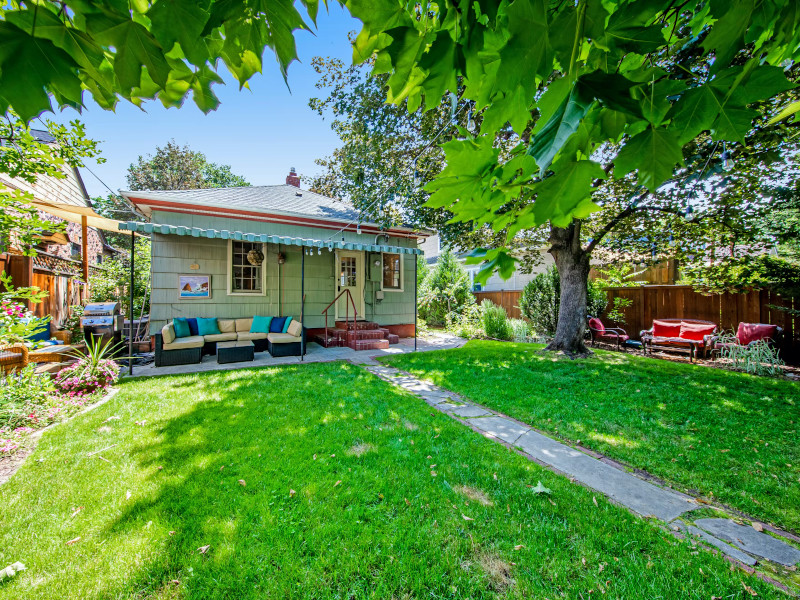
[[281, 258]]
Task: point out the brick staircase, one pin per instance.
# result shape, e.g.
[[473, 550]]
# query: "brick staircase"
[[366, 335]]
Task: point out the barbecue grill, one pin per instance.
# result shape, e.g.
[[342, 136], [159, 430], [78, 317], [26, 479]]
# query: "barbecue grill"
[[103, 321]]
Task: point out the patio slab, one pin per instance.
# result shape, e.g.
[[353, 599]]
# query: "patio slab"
[[751, 541], [500, 428]]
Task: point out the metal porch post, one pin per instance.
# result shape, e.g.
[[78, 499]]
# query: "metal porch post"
[[416, 266], [130, 308], [302, 305]]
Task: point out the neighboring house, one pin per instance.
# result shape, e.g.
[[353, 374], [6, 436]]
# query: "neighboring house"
[[433, 248], [58, 265], [258, 247]]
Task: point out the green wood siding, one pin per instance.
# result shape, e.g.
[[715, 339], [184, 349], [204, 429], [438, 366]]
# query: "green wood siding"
[[173, 255]]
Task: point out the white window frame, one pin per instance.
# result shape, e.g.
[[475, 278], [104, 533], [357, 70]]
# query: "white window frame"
[[402, 272], [229, 271]]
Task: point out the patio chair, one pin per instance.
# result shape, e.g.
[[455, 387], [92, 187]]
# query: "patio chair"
[[600, 332], [750, 333]]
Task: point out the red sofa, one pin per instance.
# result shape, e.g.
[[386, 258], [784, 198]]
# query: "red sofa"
[[693, 335], [750, 333]]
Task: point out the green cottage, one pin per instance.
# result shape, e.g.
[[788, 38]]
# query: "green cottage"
[[238, 253]]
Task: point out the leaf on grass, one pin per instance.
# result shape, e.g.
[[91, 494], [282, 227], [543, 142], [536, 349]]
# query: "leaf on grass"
[[128, 495], [242, 482], [466, 518], [77, 510], [337, 483], [291, 493], [748, 589], [495, 476], [433, 473], [540, 489], [758, 526], [77, 539], [519, 546], [114, 418], [595, 501], [204, 549], [407, 502]]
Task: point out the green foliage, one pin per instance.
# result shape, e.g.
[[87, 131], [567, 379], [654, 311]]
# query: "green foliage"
[[617, 275], [23, 155], [469, 323], [171, 167], [113, 280], [24, 393], [597, 299], [17, 323], [495, 322], [520, 330], [757, 358], [742, 275], [539, 301], [73, 323], [445, 291], [139, 50], [590, 92], [617, 312]]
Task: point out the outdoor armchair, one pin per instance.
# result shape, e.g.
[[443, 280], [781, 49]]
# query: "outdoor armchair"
[[600, 332]]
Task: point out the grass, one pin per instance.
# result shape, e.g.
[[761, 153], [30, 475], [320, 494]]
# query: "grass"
[[352, 489], [728, 436]]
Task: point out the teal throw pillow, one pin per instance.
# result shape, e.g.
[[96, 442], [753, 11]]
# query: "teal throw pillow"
[[286, 324], [260, 325], [181, 328], [207, 326]]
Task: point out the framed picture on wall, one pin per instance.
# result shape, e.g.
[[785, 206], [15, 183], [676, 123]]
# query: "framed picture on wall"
[[194, 287]]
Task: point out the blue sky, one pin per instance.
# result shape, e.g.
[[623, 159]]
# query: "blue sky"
[[260, 132]]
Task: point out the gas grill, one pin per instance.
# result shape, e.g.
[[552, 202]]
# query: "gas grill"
[[103, 321]]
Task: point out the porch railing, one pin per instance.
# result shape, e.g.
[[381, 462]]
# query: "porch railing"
[[347, 304]]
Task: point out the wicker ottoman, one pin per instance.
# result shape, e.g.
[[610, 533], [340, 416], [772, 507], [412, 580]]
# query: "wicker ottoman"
[[231, 352]]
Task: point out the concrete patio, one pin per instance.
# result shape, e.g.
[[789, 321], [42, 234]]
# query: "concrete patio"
[[314, 353]]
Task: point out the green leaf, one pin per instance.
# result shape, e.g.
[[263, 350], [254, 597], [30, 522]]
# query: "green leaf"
[[612, 124], [787, 111], [404, 52], [182, 22], [546, 144], [439, 64], [653, 153], [29, 69], [527, 55], [566, 194], [627, 29], [726, 37], [512, 108], [611, 90], [540, 489], [377, 18], [469, 163], [496, 259], [694, 112]]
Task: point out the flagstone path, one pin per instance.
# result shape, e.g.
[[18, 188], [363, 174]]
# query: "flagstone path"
[[740, 542]]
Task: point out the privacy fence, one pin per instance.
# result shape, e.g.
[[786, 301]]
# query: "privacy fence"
[[681, 301]]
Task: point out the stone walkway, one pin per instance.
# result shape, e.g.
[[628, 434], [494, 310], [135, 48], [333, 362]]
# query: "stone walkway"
[[740, 542]]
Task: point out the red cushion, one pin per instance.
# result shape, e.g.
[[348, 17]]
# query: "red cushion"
[[752, 332], [695, 331], [666, 329], [597, 325]]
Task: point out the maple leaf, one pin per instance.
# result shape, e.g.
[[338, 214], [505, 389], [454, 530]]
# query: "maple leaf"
[[540, 489]]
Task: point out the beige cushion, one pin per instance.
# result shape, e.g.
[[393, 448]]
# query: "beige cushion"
[[243, 325], [244, 336], [55, 349], [282, 338], [227, 325], [295, 328], [193, 341], [168, 333], [220, 337]]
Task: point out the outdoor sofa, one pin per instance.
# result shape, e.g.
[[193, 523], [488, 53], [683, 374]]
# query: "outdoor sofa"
[[46, 345], [748, 334], [280, 336], [693, 335]]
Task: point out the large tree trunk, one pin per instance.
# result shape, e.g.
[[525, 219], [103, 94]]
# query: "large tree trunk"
[[573, 269]]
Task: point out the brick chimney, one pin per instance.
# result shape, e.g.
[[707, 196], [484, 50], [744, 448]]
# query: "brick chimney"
[[293, 178]]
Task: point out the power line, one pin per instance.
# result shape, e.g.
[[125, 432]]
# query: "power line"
[[379, 197]]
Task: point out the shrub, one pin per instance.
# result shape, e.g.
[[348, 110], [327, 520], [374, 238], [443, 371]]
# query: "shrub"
[[758, 358], [520, 330], [468, 324], [22, 394], [495, 322], [539, 301], [445, 291]]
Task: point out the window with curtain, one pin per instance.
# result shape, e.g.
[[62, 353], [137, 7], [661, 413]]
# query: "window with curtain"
[[392, 275]]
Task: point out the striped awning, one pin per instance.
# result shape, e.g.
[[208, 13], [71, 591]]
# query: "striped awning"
[[225, 234]]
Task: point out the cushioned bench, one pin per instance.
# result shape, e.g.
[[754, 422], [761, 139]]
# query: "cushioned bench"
[[173, 349]]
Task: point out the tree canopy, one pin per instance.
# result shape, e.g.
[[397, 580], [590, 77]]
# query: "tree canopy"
[[137, 50]]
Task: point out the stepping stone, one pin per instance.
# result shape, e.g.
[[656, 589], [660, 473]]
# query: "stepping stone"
[[638, 495], [501, 428], [751, 541], [469, 411], [731, 551]]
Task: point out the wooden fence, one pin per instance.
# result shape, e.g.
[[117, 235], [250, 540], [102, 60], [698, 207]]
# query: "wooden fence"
[[681, 301]]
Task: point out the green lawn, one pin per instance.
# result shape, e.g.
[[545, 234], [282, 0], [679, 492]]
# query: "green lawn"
[[730, 436], [368, 518]]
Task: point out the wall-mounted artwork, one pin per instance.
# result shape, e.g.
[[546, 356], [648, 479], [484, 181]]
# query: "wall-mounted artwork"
[[194, 287]]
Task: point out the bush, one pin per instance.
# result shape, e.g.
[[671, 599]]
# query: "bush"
[[23, 394], [758, 358], [541, 297], [445, 291], [495, 322], [469, 324], [94, 372], [520, 330]]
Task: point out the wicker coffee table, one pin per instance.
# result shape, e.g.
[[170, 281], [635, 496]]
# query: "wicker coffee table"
[[231, 352]]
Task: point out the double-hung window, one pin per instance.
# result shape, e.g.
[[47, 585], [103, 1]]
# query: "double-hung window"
[[245, 272], [392, 272]]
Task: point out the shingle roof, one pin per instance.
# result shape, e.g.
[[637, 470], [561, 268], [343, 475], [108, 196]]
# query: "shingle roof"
[[284, 199]]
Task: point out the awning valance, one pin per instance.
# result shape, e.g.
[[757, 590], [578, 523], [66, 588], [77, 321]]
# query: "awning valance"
[[76, 214], [225, 234]]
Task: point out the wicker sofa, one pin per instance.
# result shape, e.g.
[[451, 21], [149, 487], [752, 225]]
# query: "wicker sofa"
[[171, 350]]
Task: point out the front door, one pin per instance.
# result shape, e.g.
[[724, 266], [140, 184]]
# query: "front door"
[[350, 276]]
